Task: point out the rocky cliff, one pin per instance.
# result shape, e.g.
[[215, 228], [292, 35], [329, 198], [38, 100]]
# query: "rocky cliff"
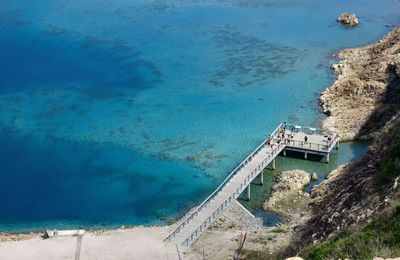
[[365, 95]]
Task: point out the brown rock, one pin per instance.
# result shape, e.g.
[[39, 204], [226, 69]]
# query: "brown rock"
[[348, 19]]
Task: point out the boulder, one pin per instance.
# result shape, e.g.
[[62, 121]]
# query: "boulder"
[[292, 181], [288, 187], [314, 177], [348, 19]]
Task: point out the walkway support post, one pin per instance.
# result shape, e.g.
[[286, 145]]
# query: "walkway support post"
[[284, 152], [305, 155], [337, 145], [248, 192], [262, 178], [273, 164], [327, 158]]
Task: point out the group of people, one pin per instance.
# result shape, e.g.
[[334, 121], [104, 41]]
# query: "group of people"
[[280, 136], [329, 136]]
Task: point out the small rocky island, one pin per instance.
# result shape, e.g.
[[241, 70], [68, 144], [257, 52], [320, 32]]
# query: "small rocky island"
[[348, 19]]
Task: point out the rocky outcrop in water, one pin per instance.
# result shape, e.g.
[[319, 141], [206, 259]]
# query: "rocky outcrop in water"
[[365, 94], [287, 193], [348, 19]]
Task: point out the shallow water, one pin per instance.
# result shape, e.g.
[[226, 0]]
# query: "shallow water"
[[131, 112]]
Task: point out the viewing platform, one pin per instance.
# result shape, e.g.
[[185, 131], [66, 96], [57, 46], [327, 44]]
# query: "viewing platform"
[[286, 137]]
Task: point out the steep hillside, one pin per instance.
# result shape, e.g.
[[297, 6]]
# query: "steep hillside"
[[379, 238]]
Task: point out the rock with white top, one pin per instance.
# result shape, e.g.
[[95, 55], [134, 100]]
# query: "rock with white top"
[[348, 19]]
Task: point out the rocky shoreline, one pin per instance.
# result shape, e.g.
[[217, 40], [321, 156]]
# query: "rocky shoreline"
[[362, 79]]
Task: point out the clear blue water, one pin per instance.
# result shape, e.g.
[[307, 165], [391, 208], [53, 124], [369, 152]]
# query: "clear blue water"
[[130, 112]]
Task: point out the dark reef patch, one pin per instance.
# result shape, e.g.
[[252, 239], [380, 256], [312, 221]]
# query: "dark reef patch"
[[249, 60]]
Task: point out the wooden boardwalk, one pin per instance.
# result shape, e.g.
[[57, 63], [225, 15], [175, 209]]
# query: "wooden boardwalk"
[[196, 222]]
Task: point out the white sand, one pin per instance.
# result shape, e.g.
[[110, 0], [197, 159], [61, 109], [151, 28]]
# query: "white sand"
[[138, 243]]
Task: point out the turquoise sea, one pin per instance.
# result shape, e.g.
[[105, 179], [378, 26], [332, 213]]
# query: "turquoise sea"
[[130, 112]]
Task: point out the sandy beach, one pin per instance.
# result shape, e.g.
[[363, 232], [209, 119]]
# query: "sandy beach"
[[136, 243]]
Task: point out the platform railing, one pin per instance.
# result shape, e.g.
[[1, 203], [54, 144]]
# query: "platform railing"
[[307, 145], [305, 129], [333, 137]]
